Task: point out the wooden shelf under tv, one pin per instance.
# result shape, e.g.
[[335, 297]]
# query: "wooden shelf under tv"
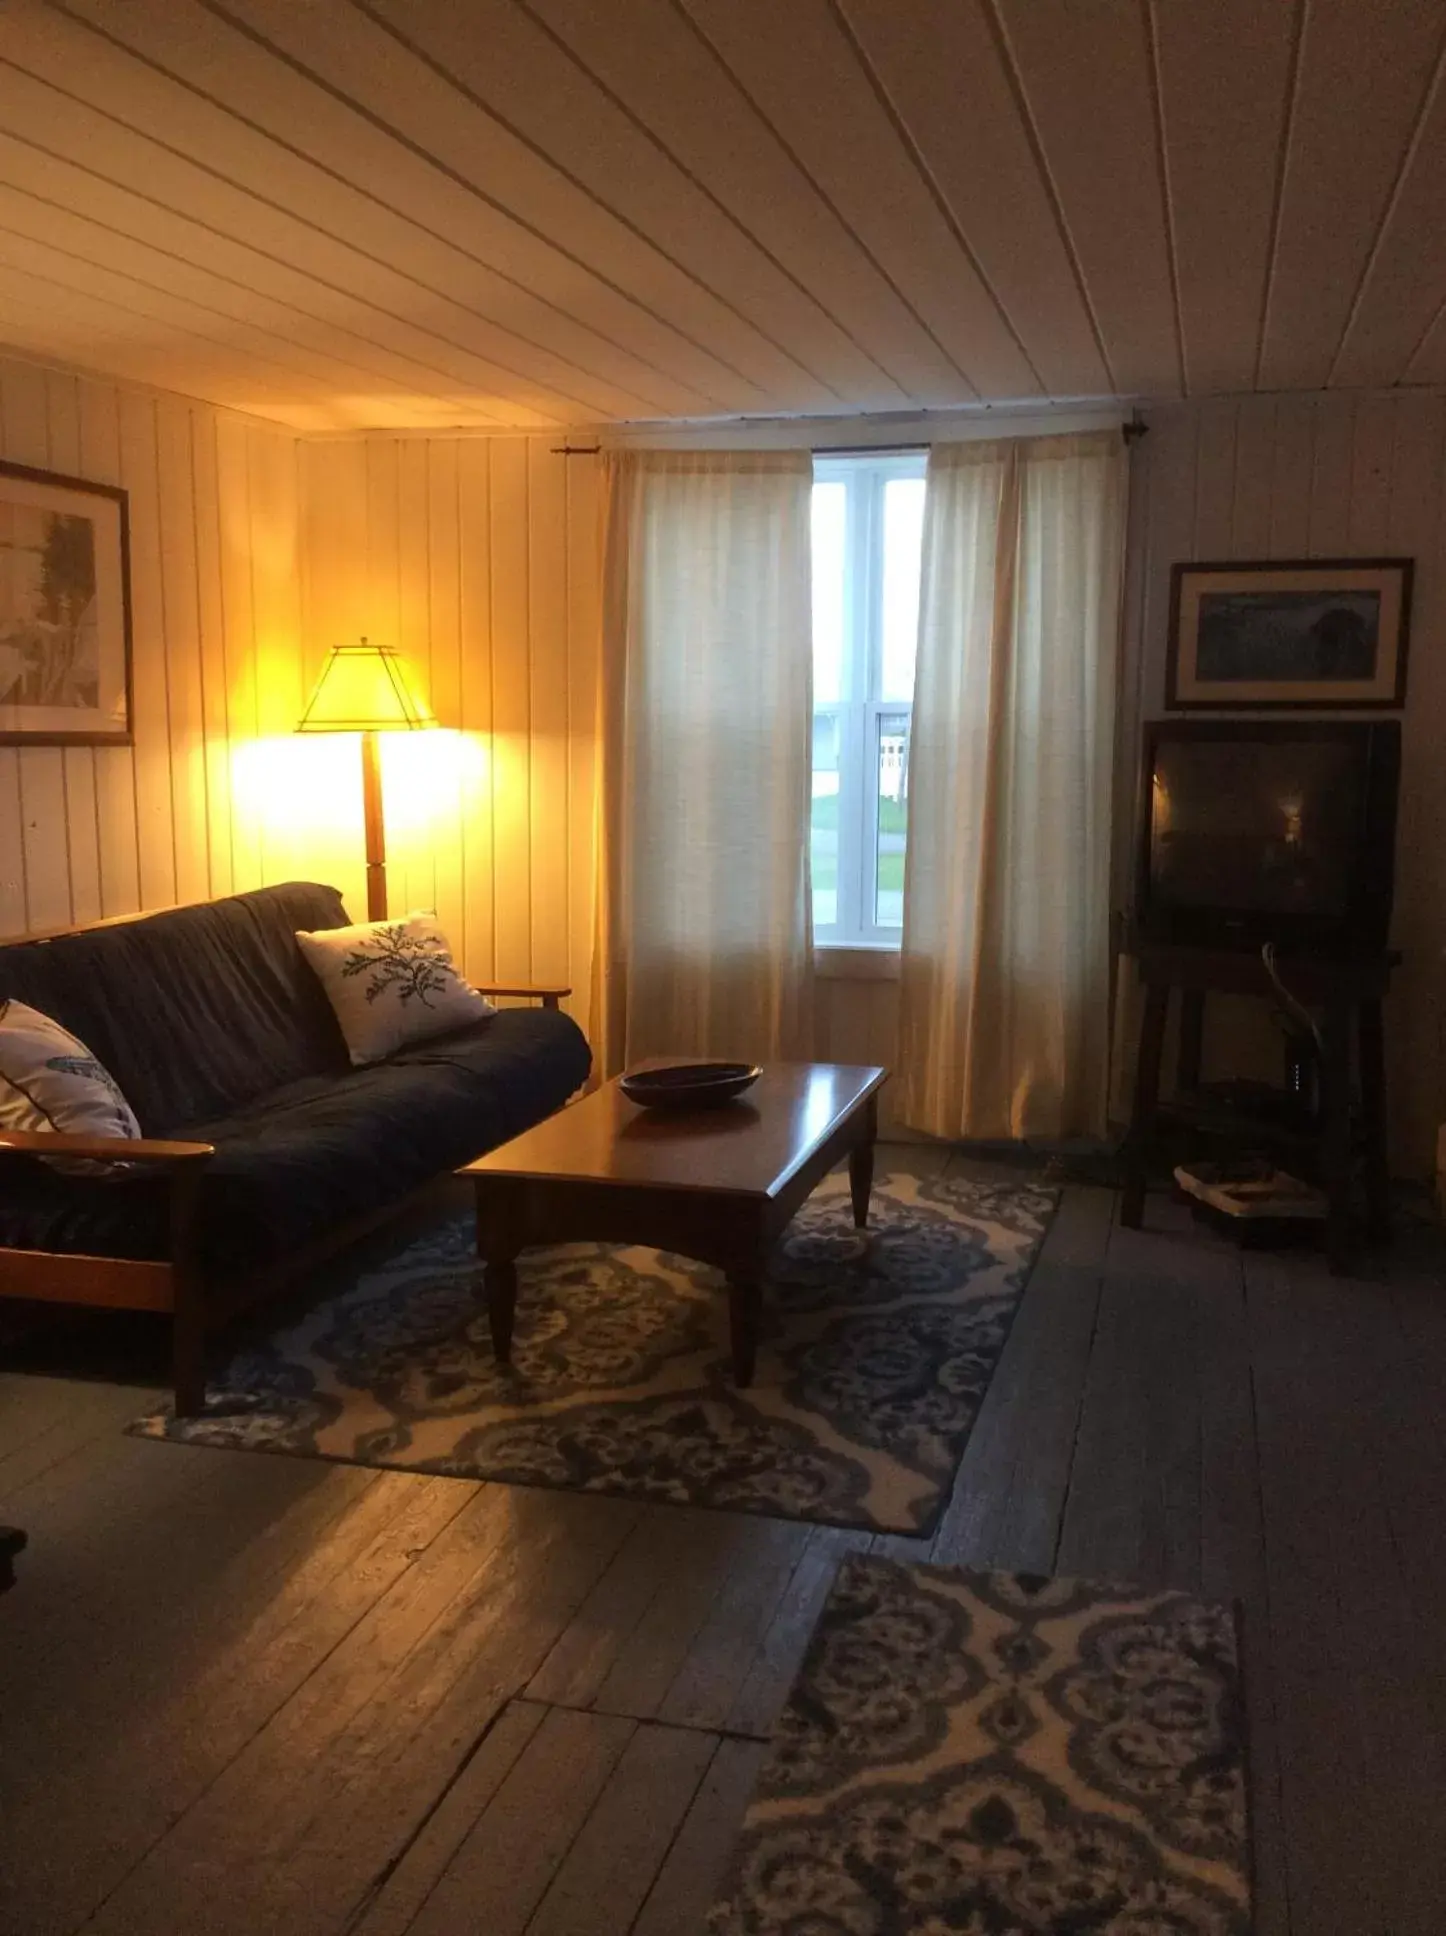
[[1348, 993]]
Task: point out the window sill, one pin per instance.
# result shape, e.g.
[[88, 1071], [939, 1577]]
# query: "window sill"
[[835, 961]]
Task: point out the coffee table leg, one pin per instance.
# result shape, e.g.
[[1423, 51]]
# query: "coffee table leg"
[[745, 1306], [501, 1290], [861, 1166], [499, 1238]]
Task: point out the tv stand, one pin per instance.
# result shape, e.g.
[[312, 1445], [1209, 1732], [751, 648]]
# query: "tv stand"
[[1348, 994]]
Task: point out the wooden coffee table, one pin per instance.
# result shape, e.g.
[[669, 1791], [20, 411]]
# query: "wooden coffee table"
[[720, 1185]]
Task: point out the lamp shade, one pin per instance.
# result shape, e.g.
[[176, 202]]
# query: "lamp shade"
[[365, 688]]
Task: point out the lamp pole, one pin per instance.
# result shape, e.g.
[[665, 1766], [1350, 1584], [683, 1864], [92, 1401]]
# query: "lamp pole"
[[376, 831]]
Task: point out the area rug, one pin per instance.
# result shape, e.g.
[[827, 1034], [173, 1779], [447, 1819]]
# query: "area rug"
[[876, 1353], [1001, 1755]]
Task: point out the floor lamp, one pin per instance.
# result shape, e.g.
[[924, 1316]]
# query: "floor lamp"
[[368, 689]]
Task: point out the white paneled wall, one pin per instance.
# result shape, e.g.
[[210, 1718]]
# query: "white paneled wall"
[[1291, 477], [90, 832], [478, 556], [251, 553], [1322, 476]]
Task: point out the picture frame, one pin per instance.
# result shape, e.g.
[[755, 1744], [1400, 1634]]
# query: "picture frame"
[[65, 610], [1312, 634]]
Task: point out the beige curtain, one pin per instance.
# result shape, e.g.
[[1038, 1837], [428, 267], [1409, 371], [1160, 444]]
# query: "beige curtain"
[[1004, 1004], [703, 942]]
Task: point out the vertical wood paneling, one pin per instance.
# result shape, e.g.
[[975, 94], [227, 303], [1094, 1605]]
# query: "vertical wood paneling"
[[511, 710], [237, 605], [381, 550], [479, 558], [179, 604], [415, 848], [77, 762], [1330, 484], [211, 637], [1165, 527], [1214, 534], [474, 486], [150, 703], [444, 660], [307, 780], [87, 832], [547, 712], [1293, 469], [1327, 476], [1253, 495], [251, 555], [1373, 440], [115, 781]]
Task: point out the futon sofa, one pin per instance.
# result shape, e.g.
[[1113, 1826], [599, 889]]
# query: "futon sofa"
[[263, 1148]]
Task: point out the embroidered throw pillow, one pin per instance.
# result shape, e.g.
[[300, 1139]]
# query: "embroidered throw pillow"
[[51, 1081], [391, 983]]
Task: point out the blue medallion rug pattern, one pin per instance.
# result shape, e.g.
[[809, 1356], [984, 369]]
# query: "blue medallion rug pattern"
[[992, 1754], [878, 1347]]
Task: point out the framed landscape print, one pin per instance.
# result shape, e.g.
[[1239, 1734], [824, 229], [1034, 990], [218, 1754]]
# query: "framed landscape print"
[[1313, 634], [65, 611]]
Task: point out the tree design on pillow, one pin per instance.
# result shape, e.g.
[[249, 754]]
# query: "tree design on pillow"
[[413, 966]]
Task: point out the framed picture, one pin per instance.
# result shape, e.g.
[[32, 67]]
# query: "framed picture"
[[1316, 633], [65, 611]]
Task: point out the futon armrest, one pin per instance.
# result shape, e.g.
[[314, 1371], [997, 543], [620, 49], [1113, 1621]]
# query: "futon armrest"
[[549, 997], [103, 1149]]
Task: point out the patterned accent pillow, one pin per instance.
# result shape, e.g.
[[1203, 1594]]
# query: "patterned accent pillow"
[[50, 1081], [391, 983]]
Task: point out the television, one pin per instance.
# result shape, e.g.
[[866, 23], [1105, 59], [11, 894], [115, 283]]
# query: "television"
[[1278, 831]]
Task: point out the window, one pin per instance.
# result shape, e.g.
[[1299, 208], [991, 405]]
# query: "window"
[[868, 528]]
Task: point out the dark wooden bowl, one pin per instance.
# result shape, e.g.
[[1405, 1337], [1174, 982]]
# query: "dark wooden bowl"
[[689, 1085]]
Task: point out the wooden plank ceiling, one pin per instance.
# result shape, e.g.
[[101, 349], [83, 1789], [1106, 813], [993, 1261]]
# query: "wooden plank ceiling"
[[344, 213]]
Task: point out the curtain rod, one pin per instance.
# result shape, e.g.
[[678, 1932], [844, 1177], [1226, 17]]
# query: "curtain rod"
[[1131, 431], [815, 450]]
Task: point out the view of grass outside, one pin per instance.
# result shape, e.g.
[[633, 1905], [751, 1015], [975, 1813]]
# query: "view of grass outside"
[[823, 855]]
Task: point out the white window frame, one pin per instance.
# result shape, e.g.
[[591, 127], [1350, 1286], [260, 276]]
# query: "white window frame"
[[860, 709]]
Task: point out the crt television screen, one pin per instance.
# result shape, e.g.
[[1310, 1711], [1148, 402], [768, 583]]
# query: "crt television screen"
[[1262, 826]]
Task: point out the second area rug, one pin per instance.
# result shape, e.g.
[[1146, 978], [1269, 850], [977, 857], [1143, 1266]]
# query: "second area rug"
[[994, 1754]]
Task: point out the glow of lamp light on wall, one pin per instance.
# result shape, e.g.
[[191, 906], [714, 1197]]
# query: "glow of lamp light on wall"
[[282, 784], [300, 796], [426, 776]]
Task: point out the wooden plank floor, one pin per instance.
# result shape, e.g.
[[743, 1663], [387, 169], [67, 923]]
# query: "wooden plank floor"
[[245, 1694]]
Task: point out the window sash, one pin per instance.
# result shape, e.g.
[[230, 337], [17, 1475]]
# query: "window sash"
[[860, 712]]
